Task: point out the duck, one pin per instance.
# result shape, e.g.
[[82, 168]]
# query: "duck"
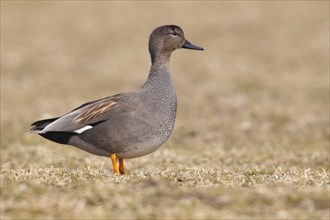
[[130, 124]]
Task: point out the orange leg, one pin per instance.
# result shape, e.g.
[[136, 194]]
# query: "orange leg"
[[121, 167], [114, 163]]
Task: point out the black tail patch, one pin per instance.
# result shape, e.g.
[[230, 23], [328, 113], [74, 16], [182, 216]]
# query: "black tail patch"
[[39, 125], [58, 137]]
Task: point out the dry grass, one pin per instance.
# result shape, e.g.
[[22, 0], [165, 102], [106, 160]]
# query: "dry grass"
[[252, 132]]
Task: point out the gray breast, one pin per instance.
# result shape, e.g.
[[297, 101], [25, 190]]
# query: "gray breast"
[[142, 131]]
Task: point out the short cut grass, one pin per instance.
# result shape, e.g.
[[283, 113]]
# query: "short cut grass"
[[252, 133]]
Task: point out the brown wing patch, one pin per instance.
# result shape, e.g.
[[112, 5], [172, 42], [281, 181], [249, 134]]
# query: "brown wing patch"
[[95, 110]]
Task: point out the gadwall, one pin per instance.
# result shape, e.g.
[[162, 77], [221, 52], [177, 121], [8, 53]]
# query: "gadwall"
[[126, 125]]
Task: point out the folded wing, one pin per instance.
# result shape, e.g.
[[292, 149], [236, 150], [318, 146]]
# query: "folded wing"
[[80, 119]]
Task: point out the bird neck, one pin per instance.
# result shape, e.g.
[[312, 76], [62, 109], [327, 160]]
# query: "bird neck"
[[159, 78], [160, 60]]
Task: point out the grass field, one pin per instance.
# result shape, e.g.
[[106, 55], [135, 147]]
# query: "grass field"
[[252, 133]]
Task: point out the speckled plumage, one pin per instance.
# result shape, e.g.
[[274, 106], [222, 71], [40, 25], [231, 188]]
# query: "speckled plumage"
[[127, 124]]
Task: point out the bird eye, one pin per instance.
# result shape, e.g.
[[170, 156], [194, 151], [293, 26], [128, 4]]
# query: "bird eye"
[[173, 32]]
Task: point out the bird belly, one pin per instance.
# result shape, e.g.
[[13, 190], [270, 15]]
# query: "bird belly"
[[128, 138], [140, 149]]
